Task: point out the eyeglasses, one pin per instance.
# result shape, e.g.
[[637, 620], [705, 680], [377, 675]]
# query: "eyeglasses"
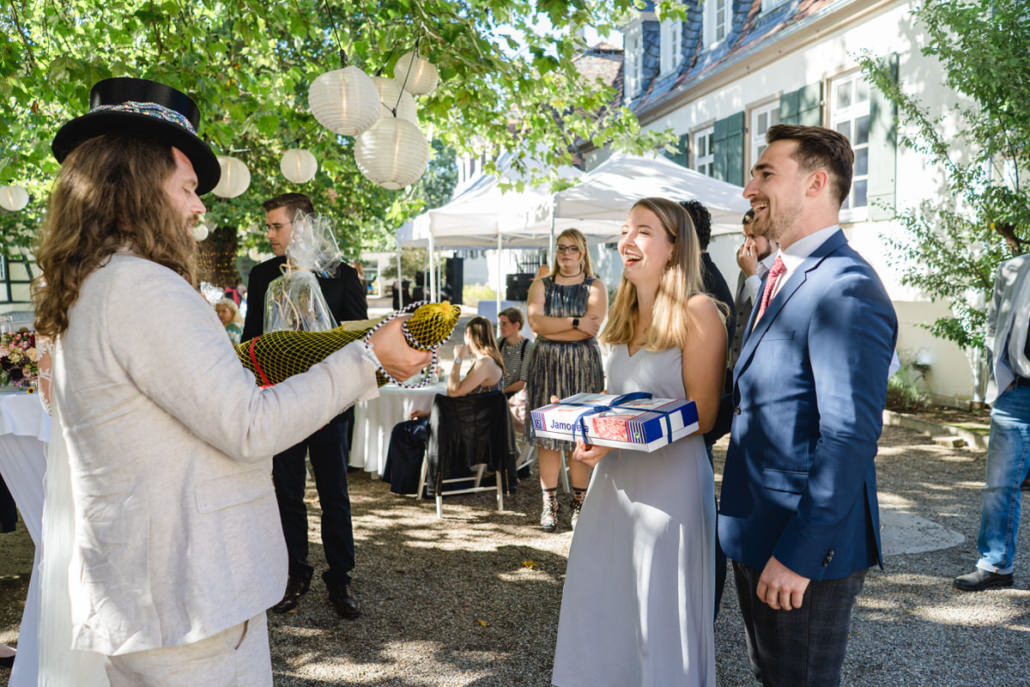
[[568, 249], [277, 226]]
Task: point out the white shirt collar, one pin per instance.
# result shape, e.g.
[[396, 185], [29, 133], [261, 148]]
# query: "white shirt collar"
[[794, 254]]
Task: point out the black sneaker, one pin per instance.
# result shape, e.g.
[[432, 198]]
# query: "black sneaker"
[[346, 606], [296, 587], [979, 580]]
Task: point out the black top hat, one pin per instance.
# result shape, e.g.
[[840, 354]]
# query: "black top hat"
[[146, 108]]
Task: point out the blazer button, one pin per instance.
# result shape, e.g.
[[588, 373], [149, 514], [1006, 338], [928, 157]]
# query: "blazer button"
[[736, 411], [829, 557]]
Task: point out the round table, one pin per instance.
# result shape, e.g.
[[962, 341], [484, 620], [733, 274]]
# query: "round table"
[[24, 432], [374, 420]]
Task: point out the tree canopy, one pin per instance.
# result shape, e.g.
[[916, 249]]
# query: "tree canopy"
[[954, 244], [505, 84]]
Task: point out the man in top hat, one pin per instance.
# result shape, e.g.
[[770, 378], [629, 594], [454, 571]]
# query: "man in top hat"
[[177, 549]]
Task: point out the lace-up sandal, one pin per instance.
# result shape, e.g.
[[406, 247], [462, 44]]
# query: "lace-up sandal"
[[577, 505]]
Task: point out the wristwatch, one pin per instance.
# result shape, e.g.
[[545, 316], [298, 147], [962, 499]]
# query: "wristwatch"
[[575, 323]]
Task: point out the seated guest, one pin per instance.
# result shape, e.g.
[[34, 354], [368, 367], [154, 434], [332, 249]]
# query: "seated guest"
[[408, 438], [230, 317], [515, 350]]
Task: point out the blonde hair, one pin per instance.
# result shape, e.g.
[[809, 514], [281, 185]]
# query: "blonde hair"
[[481, 334], [584, 255], [670, 321], [237, 318], [108, 196]]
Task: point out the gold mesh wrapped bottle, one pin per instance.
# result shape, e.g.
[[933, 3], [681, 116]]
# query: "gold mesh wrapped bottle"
[[276, 356]]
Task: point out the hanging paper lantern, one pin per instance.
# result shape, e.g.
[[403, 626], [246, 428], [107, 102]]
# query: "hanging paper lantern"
[[255, 254], [298, 166], [393, 153], [344, 101], [200, 232], [418, 74], [391, 95], [235, 177], [13, 198]]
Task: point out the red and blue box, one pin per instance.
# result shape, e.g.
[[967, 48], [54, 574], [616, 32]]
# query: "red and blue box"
[[633, 421]]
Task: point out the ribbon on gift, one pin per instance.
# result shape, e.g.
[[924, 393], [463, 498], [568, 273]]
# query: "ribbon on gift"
[[595, 408]]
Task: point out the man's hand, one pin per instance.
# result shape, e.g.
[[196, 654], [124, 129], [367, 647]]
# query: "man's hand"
[[780, 587], [397, 357], [747, 258]]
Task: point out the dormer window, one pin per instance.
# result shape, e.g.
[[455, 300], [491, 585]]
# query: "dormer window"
[[672, 30], [634, 59], [717, 20]]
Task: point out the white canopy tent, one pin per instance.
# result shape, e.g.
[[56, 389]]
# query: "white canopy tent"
[[484, 216]]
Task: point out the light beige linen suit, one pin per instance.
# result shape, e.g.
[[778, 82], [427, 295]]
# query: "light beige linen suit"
[[170, 443]]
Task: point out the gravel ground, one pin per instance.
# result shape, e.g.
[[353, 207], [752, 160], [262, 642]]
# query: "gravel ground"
[[473, 598]]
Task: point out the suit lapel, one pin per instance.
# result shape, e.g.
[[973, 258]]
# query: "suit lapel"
[[755, 332]]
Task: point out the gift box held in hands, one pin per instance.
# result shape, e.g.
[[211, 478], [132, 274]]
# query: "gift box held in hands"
[[632, 421]]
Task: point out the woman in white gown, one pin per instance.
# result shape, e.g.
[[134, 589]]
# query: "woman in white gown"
[[637, 605]]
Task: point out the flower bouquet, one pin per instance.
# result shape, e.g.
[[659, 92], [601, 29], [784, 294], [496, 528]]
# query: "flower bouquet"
[[19, 361]]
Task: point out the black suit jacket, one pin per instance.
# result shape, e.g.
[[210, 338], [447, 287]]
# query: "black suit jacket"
[[343, 293], [716, 287]]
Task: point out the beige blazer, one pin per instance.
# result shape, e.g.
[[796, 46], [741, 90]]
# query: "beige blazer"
[[170, 443]]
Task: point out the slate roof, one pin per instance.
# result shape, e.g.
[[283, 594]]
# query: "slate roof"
[[751, 30]]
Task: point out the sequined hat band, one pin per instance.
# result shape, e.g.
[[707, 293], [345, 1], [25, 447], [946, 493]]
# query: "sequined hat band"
[[151, 110]]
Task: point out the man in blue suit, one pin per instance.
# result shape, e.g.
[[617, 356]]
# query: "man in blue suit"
[[798, 513]]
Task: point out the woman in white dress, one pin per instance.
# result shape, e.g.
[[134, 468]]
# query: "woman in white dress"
[[637, 606]]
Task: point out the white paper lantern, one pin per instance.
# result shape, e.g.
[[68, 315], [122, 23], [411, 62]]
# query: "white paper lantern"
[[201, 232], [254, 254], [418, 74], [393, 153], [344, 101], [422, 77], [235, 177], [389, 92], [298, 166], [13, 198]]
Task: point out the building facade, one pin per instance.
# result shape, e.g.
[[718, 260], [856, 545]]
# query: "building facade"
[[733, 68]]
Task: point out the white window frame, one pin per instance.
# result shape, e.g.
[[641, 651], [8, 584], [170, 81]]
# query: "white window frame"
[[714, 31], [771, 4], [633, 65], [671, 43], [702, 163], [757, 137], [851, 114]]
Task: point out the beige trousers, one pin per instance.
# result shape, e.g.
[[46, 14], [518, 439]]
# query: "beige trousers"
[[236, 657]]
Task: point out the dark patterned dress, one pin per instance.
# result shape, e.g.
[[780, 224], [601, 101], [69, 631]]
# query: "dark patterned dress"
[[562, 368]]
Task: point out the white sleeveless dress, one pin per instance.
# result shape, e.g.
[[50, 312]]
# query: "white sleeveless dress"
[[637, 608], [59, 664]]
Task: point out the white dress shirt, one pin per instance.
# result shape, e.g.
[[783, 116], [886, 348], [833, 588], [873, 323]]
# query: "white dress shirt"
[[754, 282], [794, 254]]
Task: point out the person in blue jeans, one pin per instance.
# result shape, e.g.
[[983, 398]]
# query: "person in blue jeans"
[[1008, 451]]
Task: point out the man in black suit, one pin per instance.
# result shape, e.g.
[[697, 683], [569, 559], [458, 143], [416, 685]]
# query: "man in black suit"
[[715, 286], [329, 447]]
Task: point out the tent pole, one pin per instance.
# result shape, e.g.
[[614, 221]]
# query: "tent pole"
[[550, 246], [433, 296], [400, 280], [500, 280]]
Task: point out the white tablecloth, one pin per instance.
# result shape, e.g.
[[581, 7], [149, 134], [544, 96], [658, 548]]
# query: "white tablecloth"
[[24, 431], [374, 419]]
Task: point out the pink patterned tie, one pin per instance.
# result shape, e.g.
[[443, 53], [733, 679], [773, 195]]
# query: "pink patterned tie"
[[777, 270]]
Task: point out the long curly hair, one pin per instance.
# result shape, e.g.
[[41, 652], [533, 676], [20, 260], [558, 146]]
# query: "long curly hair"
[[108, 195], [682, 279]]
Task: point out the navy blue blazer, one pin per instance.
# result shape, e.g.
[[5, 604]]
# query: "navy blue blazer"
[[809, 390]]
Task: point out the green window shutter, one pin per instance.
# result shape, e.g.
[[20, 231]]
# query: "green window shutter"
[[728, 149], [803, 106], [682, 154], [883, 148]]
